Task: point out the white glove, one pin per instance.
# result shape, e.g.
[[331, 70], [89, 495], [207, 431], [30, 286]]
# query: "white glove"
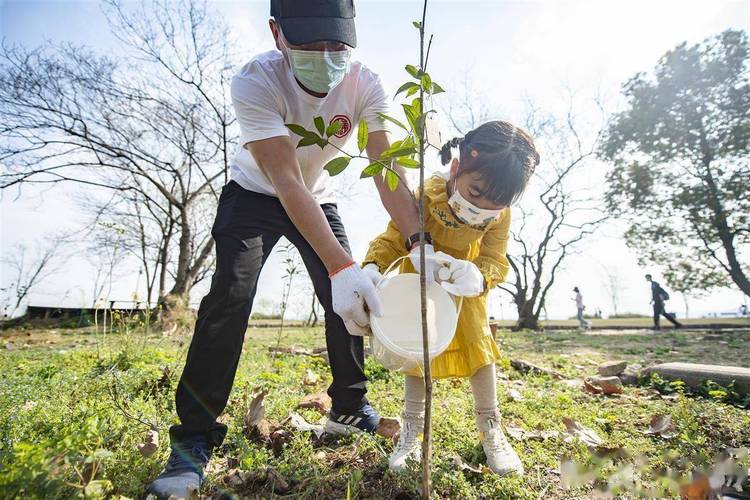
[[431, 266], [460, 277], [371, 271], [352, 290]]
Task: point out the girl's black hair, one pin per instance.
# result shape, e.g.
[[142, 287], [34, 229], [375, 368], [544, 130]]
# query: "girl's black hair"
[[505, 158]]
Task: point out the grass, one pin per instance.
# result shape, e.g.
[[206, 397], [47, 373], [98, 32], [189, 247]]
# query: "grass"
[[638, 322], [70, 399]]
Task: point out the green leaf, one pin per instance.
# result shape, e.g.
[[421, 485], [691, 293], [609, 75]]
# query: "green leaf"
[[371, 170], [412, 70], [405, 87], [412, 90], [395, 145], [426, 82], [337, 165], [391, 179], [334, 128], [417, 24], [299, 130], [308, 141], [396, 153], [393, 120], [437, 89], [415, 104], [320, 124], [407, 162], [362, 135], [411, 116]]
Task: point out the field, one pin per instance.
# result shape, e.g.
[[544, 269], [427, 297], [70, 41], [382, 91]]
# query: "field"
[[75, 404]]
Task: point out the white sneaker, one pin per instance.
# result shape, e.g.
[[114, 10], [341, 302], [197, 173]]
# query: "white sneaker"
[[502, 459], [409, 445]]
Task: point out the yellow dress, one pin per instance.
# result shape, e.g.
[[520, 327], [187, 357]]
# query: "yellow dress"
[[473, 346]]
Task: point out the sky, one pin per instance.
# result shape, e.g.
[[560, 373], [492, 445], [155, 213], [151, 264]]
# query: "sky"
[[510, 51]]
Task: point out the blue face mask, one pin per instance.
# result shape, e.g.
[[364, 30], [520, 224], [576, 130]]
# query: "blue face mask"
[[319, 70]]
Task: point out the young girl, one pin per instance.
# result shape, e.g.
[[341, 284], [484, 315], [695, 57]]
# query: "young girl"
[[467, 216]]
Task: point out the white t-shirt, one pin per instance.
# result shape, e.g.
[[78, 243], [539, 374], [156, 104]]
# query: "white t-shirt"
[[579, 300], [266, 95]]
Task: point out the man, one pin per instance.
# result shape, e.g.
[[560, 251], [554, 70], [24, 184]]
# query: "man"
[[658, 296], [278, 190]]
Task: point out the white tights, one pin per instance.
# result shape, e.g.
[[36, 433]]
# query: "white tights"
[[483, 386]]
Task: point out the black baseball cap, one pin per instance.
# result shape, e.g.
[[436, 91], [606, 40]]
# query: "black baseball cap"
[[307, 21]]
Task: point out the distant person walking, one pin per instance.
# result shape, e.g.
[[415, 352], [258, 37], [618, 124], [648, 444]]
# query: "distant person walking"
[[658, 296], [579, 305]]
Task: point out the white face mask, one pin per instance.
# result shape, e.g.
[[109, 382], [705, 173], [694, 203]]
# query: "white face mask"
[[319, 70], [468, 213]]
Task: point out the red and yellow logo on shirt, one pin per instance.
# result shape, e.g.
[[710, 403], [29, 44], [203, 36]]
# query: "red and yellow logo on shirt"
[[346, 125]]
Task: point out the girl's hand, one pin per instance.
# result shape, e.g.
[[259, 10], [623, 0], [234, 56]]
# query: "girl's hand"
[[430, 265], [460, 277]]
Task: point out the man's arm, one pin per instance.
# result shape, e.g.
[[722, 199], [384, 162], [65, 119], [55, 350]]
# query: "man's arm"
[[277, 159], [398, 203]]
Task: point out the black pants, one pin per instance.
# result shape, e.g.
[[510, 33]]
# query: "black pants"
[[659, 311], [247, 227]]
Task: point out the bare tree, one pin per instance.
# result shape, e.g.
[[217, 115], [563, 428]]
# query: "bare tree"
[[613, 283], [105, 257], [152, 126], [560, 208], [29, 271]]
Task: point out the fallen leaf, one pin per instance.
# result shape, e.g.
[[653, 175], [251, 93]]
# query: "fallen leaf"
[[514, 395], [310, 378], [520, 434], [661, 425], [319, 401], [526, 367], [150, 444], [235, 478], [591, 388], [605, 385], [464, 466], [699, 489], [388, 427], [588, 436], [515, 432], [278, 483], [257, 410], [279, 438], [298, 422]]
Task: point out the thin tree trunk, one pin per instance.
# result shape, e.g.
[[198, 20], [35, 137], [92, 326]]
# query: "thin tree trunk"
[[427, 438], [182, 279], [733, 266]]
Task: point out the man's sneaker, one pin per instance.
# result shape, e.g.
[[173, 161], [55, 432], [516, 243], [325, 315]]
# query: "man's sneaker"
[[502, 459], [366, 419], [183, 473], [409, 446]]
